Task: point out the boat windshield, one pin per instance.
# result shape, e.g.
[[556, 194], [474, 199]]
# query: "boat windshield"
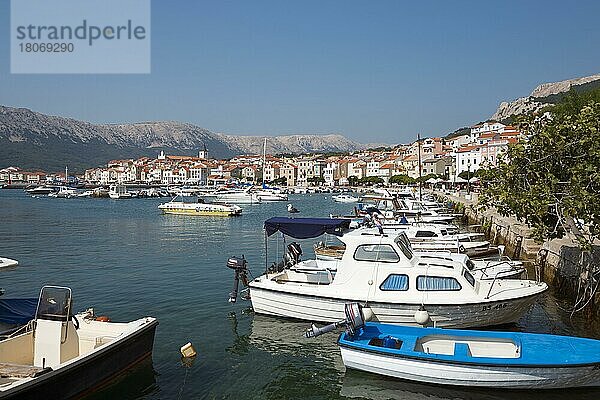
[[402, 242], [188, 199]]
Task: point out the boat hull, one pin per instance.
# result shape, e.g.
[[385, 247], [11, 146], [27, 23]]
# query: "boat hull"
[[203, 213], [87, 374], [445, 373], [326, 309]]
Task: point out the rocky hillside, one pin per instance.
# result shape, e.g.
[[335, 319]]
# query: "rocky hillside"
[[291, 144], [33, 140], [543, 95]]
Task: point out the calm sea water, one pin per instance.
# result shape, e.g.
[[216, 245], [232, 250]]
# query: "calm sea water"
[[127, 261]]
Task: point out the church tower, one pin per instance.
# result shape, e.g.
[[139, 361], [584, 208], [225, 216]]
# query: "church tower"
[[203, 153]]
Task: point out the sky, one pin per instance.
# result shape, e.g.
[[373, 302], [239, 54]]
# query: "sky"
[[374, 71]]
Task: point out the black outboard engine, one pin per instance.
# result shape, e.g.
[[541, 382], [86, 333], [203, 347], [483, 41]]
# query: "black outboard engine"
[[355, 319], [240, 267], [294, 251]]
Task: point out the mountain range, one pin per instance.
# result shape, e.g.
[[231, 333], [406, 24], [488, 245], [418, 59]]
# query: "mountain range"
[[32, 140]]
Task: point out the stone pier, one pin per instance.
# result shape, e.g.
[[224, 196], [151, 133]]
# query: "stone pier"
[[556, 262]]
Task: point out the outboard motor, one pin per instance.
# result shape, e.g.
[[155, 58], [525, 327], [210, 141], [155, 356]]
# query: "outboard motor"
[[355, 319], [294, 251], [240, 267]]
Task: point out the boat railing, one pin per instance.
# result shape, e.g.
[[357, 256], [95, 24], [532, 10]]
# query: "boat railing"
[[492, 285]]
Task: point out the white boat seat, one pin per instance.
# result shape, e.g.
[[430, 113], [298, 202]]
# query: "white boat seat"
[[8, 370]]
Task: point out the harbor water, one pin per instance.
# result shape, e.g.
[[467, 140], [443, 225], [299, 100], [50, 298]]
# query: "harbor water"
[[127, 260]]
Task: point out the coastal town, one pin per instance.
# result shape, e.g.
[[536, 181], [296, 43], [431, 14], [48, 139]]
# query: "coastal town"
[[454, 159]]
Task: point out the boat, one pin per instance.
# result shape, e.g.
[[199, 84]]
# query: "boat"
[[292, 210], [344, 198], [118, 192], [191, 205], [382, 271], [507, 360], [63, 356], [236, 196], [41, 190], [8, 262], [428, 237], [64, 192], [86, 193]]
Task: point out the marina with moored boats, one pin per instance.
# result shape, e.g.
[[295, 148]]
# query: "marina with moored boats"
[[318, 264]]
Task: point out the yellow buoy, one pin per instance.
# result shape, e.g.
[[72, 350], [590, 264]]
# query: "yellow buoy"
[[187, 350]]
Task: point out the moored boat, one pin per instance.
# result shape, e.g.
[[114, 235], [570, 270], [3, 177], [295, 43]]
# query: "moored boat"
[[8, 262], [63, 356], [382, 271], [190, 205], [119, 192], [344, 198], [510, 360]]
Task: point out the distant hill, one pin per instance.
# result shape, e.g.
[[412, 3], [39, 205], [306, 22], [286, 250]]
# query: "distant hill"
[[33, 140], [543, 95]]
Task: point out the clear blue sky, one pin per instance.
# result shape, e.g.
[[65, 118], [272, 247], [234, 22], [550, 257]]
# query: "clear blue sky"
[[375, 71]]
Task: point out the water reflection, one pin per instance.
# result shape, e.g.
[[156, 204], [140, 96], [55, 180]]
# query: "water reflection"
[[363, 385]]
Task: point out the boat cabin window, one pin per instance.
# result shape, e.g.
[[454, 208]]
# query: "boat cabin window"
[[468, 277], [425, 234], [376, 252], [402, 242], [437, 283], [395, 282]]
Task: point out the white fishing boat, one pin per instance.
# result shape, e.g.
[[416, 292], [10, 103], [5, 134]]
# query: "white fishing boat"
[[7, 262], [190, 205], [119, 192], [381, 271], [61, 356], [344, 198]]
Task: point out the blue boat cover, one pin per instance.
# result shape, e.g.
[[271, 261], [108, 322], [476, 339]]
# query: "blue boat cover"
[[305, 228], [17, 311]]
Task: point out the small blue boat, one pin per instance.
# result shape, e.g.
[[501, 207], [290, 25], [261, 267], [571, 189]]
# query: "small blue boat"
[[472, 358]]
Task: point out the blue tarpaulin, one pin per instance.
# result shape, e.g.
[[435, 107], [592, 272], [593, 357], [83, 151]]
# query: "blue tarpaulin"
[[17, 311], [305, 228]]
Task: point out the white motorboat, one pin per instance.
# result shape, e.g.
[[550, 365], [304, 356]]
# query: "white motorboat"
[[190, 205], [269, 195], [87, 193], [344, 198], [427, 237], [61, 356], [64, 192], [119, 192], [42, 190], [381, 271], [236, 196], [7, 262]]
